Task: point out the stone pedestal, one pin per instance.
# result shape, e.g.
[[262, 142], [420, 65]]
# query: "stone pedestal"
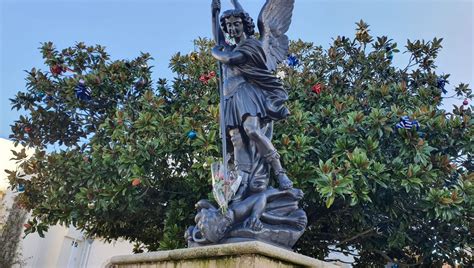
[[245, 254]]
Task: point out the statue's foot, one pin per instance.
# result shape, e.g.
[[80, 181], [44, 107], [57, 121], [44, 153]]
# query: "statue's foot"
[[253, 223], [296, 193], [284, 182], [300, 219]]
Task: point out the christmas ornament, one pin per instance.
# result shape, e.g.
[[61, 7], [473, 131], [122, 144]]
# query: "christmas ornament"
[[389, 52], [91, 205], [317, 88], [27, 129], [192, 135], [136, 182], [204, 78], [465, 102], [193, 56], [281, 75], [82, 92], [292, 61], [441, 83], [56, 69], [407, 124], [21, 188]]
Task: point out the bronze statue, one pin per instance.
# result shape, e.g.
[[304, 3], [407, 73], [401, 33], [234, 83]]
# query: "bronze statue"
[[252, 98]]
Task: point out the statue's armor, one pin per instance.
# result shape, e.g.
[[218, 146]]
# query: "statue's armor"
[[233, 81]]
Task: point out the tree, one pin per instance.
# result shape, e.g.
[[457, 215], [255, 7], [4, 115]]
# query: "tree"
[[134, 158]]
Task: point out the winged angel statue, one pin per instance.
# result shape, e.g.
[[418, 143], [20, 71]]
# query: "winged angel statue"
[[253, 98]]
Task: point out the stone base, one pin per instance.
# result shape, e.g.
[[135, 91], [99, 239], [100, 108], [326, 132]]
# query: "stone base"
[[246, 254]]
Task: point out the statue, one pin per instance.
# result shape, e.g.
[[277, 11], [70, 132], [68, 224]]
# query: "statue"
[[252, 98]]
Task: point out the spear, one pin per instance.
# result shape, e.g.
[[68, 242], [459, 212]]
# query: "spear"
[[223, 135]]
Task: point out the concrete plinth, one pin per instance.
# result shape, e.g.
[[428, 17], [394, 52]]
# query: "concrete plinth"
[[246, 255]]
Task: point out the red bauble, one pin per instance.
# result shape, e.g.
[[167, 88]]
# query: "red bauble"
[[27, 129], [317, 88], [465, 102], [212, 74], [56, 69], [136, 182], [204, 78]]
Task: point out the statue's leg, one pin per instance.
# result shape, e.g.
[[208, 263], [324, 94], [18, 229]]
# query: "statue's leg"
[[251, 209], [267, 150], [296, 219], [242, 162]]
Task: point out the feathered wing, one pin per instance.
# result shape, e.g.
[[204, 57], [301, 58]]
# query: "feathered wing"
[[273, 23]]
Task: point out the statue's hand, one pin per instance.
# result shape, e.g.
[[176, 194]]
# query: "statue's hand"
[[216, 50], [253, 223], [216, 6]]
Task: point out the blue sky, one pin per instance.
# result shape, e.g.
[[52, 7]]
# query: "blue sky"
[[164, 27]]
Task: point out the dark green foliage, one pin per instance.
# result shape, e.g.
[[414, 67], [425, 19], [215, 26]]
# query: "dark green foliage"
[[382, 193]]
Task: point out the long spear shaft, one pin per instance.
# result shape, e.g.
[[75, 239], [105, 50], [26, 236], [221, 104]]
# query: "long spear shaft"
[[221, 102]]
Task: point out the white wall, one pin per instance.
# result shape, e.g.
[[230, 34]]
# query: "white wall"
[[68, 247]]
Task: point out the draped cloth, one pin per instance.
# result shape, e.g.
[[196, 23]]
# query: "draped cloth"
[[261, 95]]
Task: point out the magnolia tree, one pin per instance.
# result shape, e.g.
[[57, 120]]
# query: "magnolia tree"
[[387, 173]]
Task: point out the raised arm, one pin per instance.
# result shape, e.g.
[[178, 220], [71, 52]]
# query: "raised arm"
[[216, 27], [228, 57], [237, 5]]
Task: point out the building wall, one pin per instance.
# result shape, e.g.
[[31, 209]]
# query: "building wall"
[[68, 247]]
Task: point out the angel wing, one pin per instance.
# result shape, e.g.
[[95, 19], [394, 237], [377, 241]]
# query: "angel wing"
[[273, 23]]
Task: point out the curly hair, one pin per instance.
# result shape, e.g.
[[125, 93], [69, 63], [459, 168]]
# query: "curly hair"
[[249, 25]]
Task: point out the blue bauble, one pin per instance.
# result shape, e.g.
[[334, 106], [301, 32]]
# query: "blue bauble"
[[192, 135], [390, 55], [441, 83], [292, 61], [21, 188], [82, 92]]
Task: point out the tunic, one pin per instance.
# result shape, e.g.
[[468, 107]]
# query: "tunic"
[[251, 89]]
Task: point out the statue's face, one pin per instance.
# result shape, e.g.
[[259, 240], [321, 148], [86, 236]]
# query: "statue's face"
[[235, 26], [212, 224]]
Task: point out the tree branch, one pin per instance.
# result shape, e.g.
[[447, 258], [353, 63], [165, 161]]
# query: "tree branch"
[[338, 260], [355, 237]]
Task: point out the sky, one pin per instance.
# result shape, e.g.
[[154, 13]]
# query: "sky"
[[164, 27]]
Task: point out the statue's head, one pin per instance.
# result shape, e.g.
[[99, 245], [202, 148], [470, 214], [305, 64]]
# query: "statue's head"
[[212, 224], [235, 22]]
